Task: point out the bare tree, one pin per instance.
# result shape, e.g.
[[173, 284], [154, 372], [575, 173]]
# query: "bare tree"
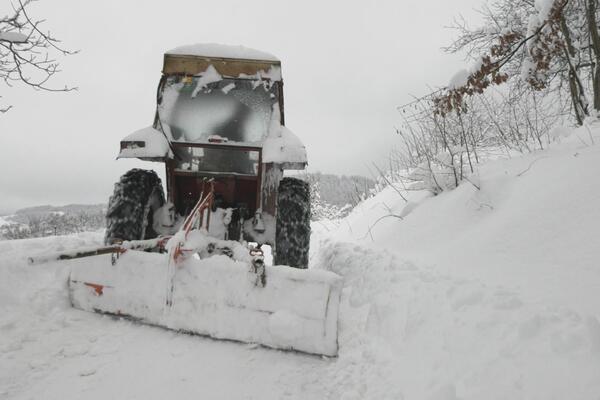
[[535, 62], [544, 45], [27, 53]]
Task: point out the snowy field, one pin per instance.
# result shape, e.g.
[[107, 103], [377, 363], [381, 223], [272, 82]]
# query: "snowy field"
[[487, 292]]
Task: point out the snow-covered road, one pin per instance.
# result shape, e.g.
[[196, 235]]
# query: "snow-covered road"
[[51, 351], [405, 332]]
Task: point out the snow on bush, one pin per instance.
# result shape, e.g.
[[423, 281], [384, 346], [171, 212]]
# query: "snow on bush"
[[321, 209]]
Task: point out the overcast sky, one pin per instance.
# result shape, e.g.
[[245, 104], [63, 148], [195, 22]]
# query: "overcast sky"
[[346, 66]]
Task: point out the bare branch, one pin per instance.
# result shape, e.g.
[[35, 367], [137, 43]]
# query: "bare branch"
[[27, 54]]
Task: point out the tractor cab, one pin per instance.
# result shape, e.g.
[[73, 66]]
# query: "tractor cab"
[[220, 118]]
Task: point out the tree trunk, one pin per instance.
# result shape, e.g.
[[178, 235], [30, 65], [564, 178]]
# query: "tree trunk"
[[595, 38], [578, 98], [579, 115]]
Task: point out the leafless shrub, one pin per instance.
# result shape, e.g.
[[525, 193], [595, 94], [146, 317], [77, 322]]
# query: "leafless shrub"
[[439, 151]]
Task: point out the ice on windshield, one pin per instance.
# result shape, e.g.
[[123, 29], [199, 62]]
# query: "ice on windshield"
[[236, 109]]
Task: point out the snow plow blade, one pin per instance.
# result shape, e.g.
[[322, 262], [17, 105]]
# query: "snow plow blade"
[[296, 310]]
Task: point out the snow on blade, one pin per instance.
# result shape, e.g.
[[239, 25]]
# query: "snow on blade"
[[222, 51], [216, 296]]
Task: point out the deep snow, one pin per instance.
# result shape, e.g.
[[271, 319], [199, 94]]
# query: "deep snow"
[[50, 351], [490, 293]]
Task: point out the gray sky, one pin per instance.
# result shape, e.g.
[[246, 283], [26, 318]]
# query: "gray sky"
[[346, 66]]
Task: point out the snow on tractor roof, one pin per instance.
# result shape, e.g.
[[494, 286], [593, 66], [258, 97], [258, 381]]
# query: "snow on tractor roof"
[[222, 51], [236, 62]]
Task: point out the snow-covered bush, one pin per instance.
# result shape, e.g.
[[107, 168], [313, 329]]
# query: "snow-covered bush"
[[440, 151], [321, 209], [533, 69], [334, 196], [552, 46], [444, 172], [14, 231], [340, 190]]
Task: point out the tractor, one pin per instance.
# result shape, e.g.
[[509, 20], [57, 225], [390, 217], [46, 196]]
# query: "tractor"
[[193, 262], [219, 123]]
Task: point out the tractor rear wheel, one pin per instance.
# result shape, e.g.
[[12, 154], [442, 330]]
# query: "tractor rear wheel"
[[131, 208], [292, 234]]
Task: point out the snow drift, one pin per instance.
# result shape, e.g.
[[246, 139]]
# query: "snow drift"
[[487, 291]]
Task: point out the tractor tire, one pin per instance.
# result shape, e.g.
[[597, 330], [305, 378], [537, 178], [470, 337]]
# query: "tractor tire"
[[292, 232], [131, 208]]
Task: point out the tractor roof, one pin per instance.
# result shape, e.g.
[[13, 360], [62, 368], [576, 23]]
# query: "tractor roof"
[[229, 61]]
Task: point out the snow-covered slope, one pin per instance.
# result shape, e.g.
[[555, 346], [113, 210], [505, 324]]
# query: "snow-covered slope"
[[489, 293]]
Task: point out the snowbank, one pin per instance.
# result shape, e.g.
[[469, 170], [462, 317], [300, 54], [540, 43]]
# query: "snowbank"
[[475, 293]]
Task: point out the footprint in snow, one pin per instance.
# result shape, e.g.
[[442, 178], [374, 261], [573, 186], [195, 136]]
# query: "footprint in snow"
[[469, 299], [509, 304], [37, 364], [77, 350], [87, 372]]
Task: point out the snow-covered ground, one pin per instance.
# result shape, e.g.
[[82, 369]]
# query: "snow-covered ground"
[[51, 351], [489, 293]]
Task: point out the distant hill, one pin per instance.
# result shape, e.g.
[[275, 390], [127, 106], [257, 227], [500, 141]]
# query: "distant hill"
[[336, 196], [52, 220], [69, 208]]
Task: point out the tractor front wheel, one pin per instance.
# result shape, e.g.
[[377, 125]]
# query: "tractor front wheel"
[[131, 208], [292, 235]]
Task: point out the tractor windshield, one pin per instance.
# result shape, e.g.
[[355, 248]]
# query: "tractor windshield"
[[232, 160], [236, 110]]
